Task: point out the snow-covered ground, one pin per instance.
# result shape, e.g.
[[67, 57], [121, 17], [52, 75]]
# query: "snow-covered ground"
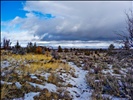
[[28, 96], [81, 91], [78, 91]]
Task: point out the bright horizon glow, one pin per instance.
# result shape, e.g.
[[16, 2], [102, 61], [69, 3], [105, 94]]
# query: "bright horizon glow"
[[72, 44]]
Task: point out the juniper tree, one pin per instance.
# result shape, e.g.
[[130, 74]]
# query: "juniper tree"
[[59, 49], [111, 47], [6, 43], [17, 46]]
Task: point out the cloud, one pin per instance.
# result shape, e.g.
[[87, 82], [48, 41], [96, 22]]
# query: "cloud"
[[72, 20], [21, 36]]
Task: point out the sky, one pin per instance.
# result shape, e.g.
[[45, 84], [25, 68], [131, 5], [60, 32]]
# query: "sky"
[[63, 20]]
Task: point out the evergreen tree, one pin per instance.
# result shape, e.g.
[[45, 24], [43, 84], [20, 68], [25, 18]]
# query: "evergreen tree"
[[71, 49], [31, 47], [17, 46], [6, 44], [111, 47], [59, 49], [34, 47]]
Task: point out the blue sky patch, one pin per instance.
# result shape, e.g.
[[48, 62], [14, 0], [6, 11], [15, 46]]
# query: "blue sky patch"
[[11, 9], [45, 16]]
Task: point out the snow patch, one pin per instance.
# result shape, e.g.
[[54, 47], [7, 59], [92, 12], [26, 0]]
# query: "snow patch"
[[49, 86], [37, 85], [18, 99], [3, 82], [5, 64], [30, 96], [18, 85], [46, 75], [33, 77]]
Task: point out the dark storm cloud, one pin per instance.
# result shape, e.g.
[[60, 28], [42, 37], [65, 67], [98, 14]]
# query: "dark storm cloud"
[[75, 20]]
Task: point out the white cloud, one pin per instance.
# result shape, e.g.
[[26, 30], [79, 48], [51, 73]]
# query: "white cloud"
[[21, 36], [74, 19]]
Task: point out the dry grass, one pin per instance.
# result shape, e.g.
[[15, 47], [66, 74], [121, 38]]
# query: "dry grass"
[[53, 78], [36, 62], [31, 64], [27, 57], [4, 91]]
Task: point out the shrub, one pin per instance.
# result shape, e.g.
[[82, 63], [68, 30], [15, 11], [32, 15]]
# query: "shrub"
[[66, 50], [87, 53], [53, 78], [39, 50]]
